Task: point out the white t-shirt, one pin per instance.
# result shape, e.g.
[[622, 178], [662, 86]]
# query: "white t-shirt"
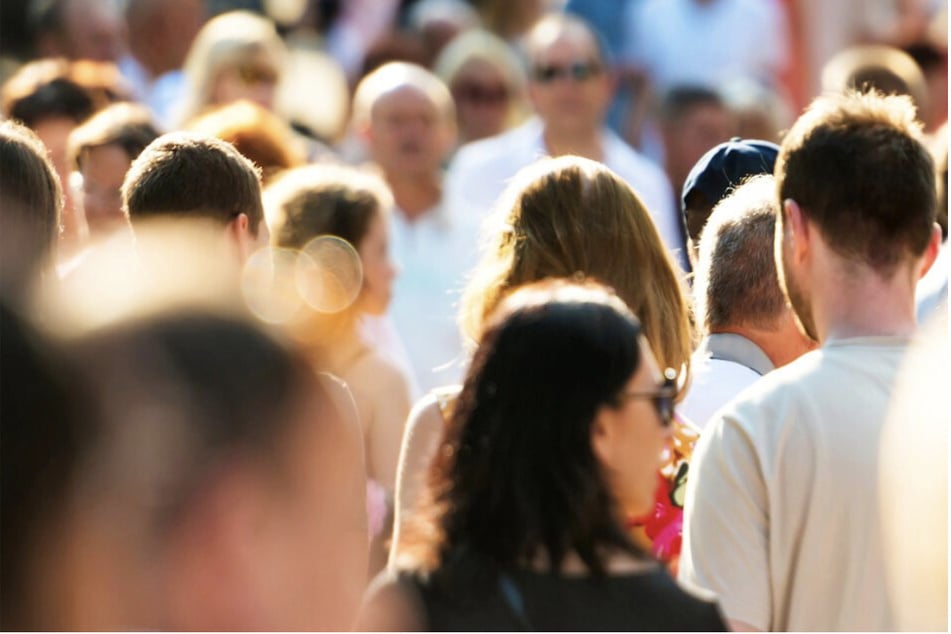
[[723, 365], [481, 170], [782, 514], [686, 42]]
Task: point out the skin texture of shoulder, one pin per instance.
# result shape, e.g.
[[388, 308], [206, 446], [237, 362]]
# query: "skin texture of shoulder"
[[391, 605], [424, 430], [382, 396]]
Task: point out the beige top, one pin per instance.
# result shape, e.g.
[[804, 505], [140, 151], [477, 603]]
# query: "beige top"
[[782, 515]]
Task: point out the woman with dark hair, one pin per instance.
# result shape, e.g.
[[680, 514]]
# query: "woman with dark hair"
[[556, 437]]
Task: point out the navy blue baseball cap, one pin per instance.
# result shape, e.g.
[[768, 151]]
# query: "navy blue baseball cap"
[[726, 165]]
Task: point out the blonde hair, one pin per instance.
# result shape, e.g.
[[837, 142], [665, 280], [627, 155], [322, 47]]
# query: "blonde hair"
[[571, 217], [394, 76], [226, 41]]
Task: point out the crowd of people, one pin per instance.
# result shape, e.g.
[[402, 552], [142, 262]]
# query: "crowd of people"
[[408, 315]]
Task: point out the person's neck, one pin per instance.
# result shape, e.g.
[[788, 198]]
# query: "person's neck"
[[587, 144], [782, 344], [852, 300], [415, 195]]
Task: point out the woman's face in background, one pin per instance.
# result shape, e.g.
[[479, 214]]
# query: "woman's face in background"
[[254, 79], [483, 98], [378, 269]]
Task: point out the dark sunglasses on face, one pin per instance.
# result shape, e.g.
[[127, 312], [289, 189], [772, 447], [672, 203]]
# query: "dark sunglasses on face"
[[577, 71], [480, 94], [663, 398]]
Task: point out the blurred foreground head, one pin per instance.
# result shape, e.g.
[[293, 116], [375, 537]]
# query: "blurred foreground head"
[[31, 204], [220, 483]]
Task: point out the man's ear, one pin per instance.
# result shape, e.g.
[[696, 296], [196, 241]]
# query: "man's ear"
[[239, 232], [799, 232], [931, 252]]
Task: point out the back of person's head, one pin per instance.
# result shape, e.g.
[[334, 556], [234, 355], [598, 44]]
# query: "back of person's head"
[[232, 442], [126, 125], [54, 88], [31, 201], [735, 281], [43, 89], [857, 167], [718, 171], [44, 429], [257, 133], [517, 475], [313, 201], [570, 216], [191, 176]]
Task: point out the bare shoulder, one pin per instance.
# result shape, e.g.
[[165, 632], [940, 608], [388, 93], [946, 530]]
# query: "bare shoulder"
[[391, 604], [375, 372], [429, 414]]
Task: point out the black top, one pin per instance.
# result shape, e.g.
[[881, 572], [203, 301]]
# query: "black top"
[[525, 600]]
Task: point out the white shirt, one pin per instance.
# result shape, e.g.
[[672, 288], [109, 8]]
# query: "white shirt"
[[434, 254], [723, 365], [480, 171], [686, 42], [163, 95], [782, 518]]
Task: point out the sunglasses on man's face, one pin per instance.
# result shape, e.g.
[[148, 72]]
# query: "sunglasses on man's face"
[[577, 71], [480, 94], [663, 398]]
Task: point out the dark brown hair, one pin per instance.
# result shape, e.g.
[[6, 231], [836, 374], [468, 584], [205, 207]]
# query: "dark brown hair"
[[188, 175], [515, 475], [323, 200], [60, 88], [857, 166]]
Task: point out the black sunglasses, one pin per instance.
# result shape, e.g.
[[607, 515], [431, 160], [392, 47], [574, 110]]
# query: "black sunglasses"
[[663, 398], [578, 71]]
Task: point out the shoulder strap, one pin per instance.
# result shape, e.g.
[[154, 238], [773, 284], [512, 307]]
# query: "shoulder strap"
[[513, 599]]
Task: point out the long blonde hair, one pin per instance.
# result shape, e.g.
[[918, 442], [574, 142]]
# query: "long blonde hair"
[[571, 217]]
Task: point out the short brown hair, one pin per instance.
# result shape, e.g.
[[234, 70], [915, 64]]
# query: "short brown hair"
[[324, 200], [50, 88], [856, 165], [188, 175]]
